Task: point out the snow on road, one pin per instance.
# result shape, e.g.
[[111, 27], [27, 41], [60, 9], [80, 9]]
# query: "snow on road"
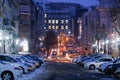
[[32, 75]]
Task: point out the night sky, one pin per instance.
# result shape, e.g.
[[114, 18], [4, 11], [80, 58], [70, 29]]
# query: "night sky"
[[85, 3]]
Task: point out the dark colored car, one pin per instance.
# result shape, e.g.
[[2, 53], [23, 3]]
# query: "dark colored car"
[[110, 69]]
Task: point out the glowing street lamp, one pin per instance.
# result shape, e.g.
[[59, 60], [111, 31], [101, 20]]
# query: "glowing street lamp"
[[118, 39], [113, 41], [107, 41], [103, 43]]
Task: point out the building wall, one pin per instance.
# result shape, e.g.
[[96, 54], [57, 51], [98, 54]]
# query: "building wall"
[[25, 21], [8, 26], [107, 9], [88, 37]]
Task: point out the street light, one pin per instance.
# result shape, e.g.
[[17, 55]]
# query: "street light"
[[107, 41], [58, 45], [117, 39]]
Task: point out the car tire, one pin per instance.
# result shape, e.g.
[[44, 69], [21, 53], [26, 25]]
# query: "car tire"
[[92, 67], [107, 72], [7, 76], [116, 75]]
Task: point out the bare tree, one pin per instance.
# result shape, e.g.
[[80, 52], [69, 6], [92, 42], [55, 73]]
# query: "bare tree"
[[50, 40]]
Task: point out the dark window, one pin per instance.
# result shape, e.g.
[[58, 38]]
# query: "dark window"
[[119, 1], [105, 60], [7, 59]]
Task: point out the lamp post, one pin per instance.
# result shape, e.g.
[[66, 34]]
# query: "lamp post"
[[58, 50]]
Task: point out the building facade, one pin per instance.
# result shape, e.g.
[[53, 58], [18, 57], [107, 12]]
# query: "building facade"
[[61, 17], [8, 26], [107, 9], [26, 25], [89, 23]]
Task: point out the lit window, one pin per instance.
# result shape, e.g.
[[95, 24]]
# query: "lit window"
[[56, 21], [66, 21], [66, 27], [49, 21], [62, 21], [49, 27], [56, 27], [45, 15], [25, 9], [45, 21], [62, 27], [44, 27], [53, 27], [53, 21]]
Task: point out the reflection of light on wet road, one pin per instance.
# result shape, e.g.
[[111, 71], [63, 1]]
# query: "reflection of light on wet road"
[[60, 59]]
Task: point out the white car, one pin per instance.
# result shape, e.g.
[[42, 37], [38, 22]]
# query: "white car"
[[102, 67], [95, 64], [10, 59], [10, 71]]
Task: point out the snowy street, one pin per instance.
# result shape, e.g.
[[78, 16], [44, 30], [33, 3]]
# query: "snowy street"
[[64, 71]]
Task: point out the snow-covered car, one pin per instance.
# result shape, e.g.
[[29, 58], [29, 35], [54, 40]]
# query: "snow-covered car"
[[9, 58], [26, 62], [95, 64], [10, 71], [27, 66], [102, 67], [93, 58], [78, 59], [36, 63], [33, 57]]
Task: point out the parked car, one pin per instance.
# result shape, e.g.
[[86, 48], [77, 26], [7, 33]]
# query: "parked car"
[[117, 73], [29, 60], [22, 60], [110, 69], [93, 58], [9, 58], [78, 59], [95, 64], [10, 71], [102, 67], [34, 58], [30, 67]]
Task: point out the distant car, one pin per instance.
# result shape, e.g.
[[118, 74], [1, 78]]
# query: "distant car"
[[95, 64], [10, 71], [71, 53]]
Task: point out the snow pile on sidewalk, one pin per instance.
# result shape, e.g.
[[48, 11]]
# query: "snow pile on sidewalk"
[[32, 75]]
